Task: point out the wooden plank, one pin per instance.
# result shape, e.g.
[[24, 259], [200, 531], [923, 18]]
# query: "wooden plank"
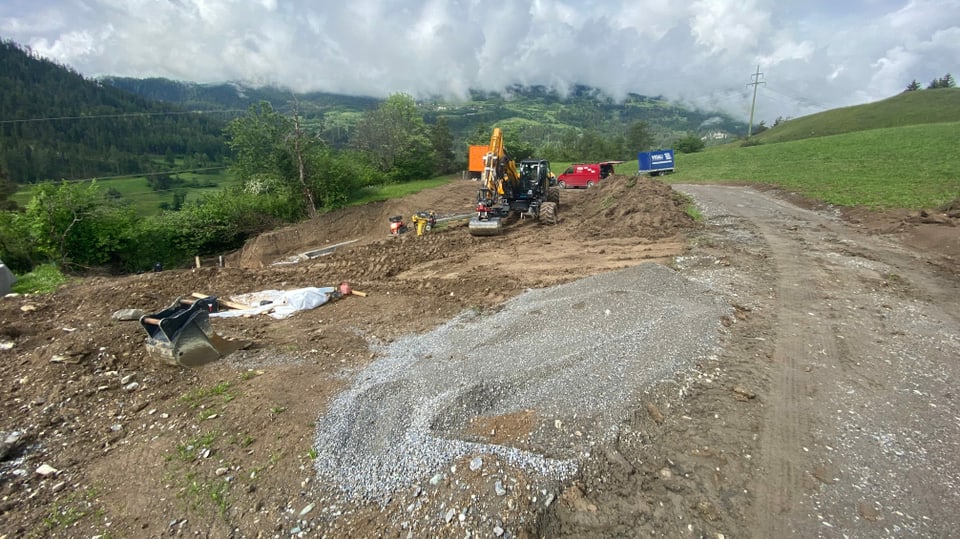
[[224, 302]]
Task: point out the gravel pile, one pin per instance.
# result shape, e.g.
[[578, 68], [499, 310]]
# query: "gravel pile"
[[576, 354]]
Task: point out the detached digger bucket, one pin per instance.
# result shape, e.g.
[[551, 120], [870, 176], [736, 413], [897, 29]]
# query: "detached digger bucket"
[[181, 334]]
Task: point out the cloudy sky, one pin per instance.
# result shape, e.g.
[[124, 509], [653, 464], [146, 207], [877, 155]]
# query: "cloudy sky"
[[814, 54]]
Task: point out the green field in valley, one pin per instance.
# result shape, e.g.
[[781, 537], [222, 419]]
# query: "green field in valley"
[[136, 192]]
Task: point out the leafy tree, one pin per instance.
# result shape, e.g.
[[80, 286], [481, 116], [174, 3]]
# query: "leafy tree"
[[913, 86], [639, 138], [342, 174], [258, 141], [690, 143], [442, 142], [75, 225], [481, 134], [396, 137], [269, 155], [16, 246]]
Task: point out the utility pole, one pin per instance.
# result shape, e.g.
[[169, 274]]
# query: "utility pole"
[[756, 82]]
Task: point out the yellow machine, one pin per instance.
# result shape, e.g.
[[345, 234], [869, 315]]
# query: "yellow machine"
[[423, 221], [505, 188]]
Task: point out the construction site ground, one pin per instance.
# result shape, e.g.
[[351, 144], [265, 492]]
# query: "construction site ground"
[[829, 407]]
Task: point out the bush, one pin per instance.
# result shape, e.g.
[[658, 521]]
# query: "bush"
[[691, 143]]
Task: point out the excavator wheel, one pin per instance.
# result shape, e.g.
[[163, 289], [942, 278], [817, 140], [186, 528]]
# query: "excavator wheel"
[[553, 195], [548, 213]]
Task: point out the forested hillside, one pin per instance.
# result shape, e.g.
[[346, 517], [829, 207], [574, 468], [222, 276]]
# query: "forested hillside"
[[550, 124], [55, 124]]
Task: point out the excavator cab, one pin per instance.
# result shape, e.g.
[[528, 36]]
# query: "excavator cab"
[[181, 334]]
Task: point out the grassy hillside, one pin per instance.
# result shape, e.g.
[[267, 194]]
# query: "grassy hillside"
[[909, 108], [904, 167]]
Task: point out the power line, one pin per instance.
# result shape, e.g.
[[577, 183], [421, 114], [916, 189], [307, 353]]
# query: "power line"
[[137, 175], [756, 82], [124, 115]]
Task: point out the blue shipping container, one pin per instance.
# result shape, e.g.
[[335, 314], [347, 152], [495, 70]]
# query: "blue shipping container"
[[656, 162]]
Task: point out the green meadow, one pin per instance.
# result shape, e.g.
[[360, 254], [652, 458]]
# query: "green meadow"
[[136, 192], [909, 167]]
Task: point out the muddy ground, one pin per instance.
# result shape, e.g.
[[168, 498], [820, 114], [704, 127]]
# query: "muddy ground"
[[790, 430]]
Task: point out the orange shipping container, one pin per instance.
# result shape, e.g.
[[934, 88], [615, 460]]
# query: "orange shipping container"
[[475, 162]]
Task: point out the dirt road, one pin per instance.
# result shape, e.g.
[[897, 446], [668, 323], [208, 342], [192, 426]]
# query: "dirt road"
[[845, 360], [829, 409], [861, 432]]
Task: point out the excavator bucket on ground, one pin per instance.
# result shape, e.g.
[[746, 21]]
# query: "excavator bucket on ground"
[[181, 334]]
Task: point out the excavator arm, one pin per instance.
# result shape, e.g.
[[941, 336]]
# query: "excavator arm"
[[498, 167], [499, 176]]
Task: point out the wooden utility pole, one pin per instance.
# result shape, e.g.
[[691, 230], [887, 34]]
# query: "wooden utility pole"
[[756, 82]]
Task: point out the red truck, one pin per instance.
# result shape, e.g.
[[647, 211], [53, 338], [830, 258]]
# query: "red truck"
[[585, 175]]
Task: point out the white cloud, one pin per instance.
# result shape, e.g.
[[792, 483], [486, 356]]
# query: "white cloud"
[[728, 26], [815, 54]]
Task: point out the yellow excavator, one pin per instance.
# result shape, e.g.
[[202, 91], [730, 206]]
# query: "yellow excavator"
[[506, 188]]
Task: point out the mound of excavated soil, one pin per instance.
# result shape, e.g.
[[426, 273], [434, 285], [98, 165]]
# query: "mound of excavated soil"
[[632, 206]]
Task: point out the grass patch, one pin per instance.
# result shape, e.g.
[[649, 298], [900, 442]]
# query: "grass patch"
[[694, 212], [72, 509], [201, 396], [243, 440], [910, 167], [44, 279], [198, 492], [398, 190]]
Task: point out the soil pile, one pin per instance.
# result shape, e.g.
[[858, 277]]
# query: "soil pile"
[[633, 206]]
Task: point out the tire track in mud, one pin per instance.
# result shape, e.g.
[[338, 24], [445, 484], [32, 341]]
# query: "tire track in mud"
[[800, 339], [859, 434]]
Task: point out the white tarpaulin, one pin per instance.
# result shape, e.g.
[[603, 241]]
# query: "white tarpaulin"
[[279, 303]]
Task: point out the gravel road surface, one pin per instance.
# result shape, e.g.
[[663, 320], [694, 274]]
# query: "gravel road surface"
[[860, 435]]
